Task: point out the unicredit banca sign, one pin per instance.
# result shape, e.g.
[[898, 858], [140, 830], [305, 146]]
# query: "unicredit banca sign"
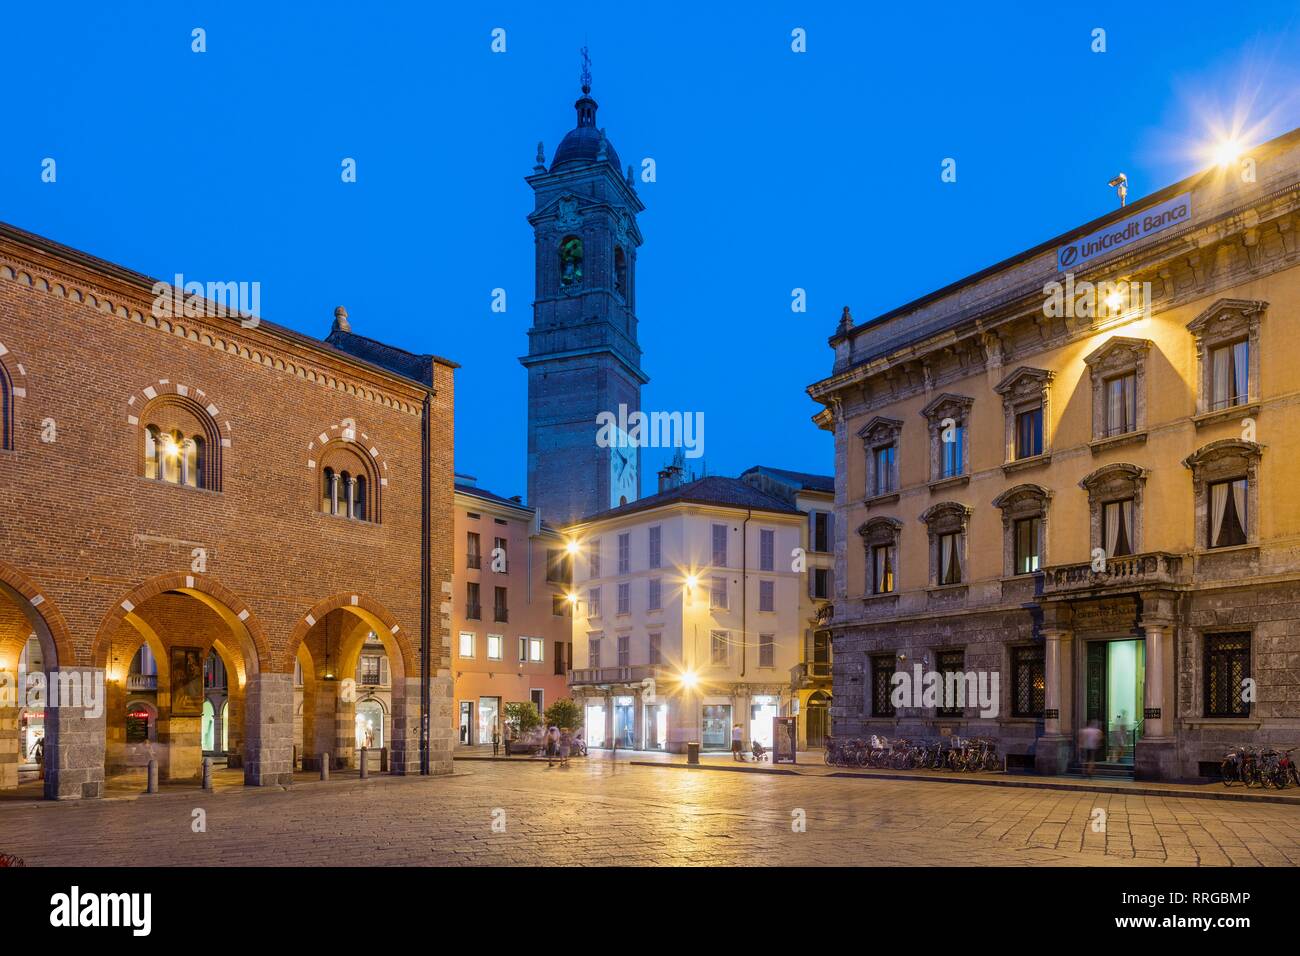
[[1171, 212]]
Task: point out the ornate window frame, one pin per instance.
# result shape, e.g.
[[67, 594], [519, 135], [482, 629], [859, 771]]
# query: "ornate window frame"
[[1022, 501], [6, 407], [877, 434], [341, 456], [876, 532], [1223, 460], [1119, 356], [1226, 321], [957, 408], [1021, 391], [947, 517], [1117, 481], [172, 412]]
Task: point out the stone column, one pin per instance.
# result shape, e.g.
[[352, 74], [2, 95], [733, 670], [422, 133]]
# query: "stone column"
[[1156, 755], [268, 730], [344, 747], [74, 733], [9, 742], [1056, 747], [180, 747], [442, 722], [405, 745]]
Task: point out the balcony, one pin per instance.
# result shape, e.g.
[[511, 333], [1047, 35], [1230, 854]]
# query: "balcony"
[[473, 561], [473, 612], [500, 615], [810, 674], [1152, 569], [141, 681], [613, 675]]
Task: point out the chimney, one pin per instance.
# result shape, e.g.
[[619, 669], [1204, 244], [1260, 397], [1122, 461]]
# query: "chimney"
[[670, 477]]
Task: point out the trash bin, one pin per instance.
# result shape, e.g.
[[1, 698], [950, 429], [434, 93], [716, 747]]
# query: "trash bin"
[[693, 752]]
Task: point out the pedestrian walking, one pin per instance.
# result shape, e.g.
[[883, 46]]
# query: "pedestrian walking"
[[496, 742], [736, 739], [566, 744], [552, 745], [1090, 739]]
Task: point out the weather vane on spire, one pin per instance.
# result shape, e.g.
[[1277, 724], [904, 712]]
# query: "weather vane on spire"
[[586, 71]]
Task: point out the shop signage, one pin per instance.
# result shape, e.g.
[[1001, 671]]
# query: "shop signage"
[[1171, 212], [1052, 714], [1152, 713]]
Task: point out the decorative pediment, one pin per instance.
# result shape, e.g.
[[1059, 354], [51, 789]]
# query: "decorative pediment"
[[1116, 480], [1025, 382], [1223, 459], [1024, 498], [946, 517], [880, 430], [1118, 353], [947, 405], [880, 530], [1228, 317]]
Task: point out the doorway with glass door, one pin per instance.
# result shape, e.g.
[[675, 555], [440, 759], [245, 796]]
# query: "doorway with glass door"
[[1114, 677]]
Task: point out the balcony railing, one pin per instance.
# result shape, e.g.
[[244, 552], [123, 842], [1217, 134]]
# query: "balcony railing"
[[473, 612], [1150, 569], [141, 681], [500, 615], [612, 675], [808, 673], [473, 560]]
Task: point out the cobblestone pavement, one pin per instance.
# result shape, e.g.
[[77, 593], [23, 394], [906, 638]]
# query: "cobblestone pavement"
[[600, 812]]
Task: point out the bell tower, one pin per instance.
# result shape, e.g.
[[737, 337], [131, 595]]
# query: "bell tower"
[[583, 359]]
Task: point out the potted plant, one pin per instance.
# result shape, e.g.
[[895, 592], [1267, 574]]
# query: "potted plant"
[[522, 721]]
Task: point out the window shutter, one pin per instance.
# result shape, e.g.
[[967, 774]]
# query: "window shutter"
[[383, 671]]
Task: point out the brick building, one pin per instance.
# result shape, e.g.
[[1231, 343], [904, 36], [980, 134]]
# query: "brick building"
[[1072, 470], [510, 614], [210, 485]]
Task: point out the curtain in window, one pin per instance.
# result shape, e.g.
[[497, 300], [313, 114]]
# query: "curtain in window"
[[1241, 371], [1118, 522], [1218, 511], [949, 560], [1239, 502], [1115, 406], [1222, 378]]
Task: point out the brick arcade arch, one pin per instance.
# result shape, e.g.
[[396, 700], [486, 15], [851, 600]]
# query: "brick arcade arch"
[[327, 643], [26, 612], [170, 611]]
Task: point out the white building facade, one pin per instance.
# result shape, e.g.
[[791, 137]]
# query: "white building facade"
[[689, 612]]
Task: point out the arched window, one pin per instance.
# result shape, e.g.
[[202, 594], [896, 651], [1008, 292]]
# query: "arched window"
[[620, 271], [349, 488], [6, 410], [209, 727], [181, 444], [570, 261], [225, 727]]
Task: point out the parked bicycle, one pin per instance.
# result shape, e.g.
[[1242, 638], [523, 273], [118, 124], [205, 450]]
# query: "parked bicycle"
[[880, 752]]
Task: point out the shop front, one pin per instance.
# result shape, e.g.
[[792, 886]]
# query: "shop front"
[[715, 727], [761, 711], [595, 723], [656, 726]]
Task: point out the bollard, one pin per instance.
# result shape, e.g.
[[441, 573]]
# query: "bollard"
[[324, 766], [207, 774], [365, 771], [152, 785], [692, 752]]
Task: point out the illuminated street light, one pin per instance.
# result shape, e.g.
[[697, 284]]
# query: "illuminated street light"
[[689, 680], [571, 547]]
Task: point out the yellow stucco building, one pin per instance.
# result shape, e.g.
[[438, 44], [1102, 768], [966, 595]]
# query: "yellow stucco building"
[[1071, 478]]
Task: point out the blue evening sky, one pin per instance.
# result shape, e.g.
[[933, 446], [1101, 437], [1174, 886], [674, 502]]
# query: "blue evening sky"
[[776, 170]]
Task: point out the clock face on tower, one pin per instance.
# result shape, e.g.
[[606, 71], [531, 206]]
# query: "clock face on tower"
[[622, 470]]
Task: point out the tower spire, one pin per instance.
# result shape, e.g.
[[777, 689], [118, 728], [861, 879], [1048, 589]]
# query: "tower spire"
[[586, 72]]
